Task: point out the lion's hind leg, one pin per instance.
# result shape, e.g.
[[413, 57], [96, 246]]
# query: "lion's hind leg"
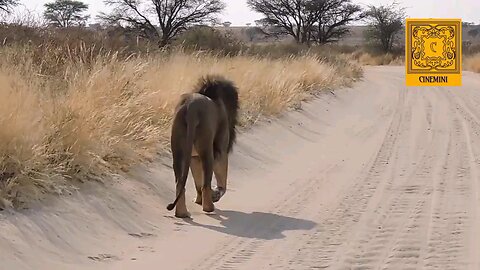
[[207, 165], [220, 166], [178, 167], [197, 172], [180, 157], [221, 172]]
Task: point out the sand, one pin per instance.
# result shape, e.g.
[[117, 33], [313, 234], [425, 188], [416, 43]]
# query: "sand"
[[376, 176]]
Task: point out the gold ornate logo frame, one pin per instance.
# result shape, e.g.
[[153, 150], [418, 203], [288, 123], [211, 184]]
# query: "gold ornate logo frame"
[[433, 48]]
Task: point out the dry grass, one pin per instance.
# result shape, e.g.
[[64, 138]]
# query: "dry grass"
[[82, 117], [472, 63], [365, 58]]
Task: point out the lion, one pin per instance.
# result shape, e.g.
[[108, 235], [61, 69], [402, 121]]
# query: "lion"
[[202, 137]]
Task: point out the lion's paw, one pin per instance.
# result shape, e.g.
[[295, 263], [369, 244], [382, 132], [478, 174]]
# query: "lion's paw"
[[182, 214], [198, 200], [217, 194]]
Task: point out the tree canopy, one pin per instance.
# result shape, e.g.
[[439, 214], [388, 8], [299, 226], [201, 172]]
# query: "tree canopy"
[[320, 21], [66, 13], [171, 16]]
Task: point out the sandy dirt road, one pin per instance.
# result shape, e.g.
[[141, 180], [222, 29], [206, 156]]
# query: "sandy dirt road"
[[374, 177]]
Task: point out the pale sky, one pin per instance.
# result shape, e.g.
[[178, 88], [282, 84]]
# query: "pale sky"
[[239, 14]]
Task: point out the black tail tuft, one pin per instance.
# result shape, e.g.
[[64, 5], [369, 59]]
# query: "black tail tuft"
[[170, 207]]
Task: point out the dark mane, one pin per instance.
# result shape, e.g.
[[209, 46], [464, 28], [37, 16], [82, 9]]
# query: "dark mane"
[[218, 88]]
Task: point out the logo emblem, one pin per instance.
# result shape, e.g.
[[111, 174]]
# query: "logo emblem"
[[433, 52]]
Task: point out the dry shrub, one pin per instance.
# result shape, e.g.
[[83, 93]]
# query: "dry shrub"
[[209, 39], [472, 63], [469, 48], [84, 117], [368, 59]]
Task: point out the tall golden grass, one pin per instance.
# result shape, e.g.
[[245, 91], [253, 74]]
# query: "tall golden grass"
[[77, 116]]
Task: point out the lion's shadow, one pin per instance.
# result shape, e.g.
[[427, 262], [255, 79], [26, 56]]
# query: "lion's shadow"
[[256, 225]]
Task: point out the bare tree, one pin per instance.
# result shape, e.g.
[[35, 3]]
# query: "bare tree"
[[7, 5], [333, 16], [22, 16], [173, 16], [385, 22], [66, 13]]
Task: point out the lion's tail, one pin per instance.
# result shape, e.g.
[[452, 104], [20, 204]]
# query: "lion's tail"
[[186, 157]]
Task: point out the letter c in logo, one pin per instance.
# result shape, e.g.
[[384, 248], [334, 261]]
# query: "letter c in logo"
[[432, 46]]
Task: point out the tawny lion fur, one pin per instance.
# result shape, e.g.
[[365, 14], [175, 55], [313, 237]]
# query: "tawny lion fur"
[[202, 136]]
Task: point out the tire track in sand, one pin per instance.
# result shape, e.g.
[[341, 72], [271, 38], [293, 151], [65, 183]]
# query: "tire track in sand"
[[320, 248], [238, 251]]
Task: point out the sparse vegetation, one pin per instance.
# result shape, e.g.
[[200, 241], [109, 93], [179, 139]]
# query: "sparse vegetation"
[[472, 63], [209, 39], [385, 22], [386, 59], [471, 50]]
